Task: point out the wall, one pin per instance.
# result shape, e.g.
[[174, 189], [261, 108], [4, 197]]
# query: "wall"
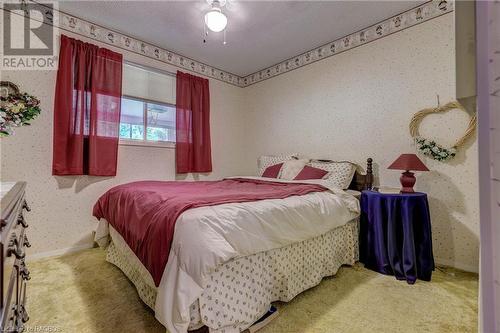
[[358, 104], [488, 79], [61, 206], [354, 105]]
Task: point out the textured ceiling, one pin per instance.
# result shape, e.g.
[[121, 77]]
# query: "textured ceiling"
[[259, 33]]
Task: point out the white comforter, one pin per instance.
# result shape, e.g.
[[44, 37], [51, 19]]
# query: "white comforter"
[[206, 237]]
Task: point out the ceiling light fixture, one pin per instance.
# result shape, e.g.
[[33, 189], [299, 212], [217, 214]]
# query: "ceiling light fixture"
[[215, 19]]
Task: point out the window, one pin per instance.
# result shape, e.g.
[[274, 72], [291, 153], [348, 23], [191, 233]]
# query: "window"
[[147, 121], [148, 107]]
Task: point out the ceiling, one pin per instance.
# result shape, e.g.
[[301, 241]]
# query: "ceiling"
[[259, 33]]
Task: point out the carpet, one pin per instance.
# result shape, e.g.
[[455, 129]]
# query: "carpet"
[[81, 292]]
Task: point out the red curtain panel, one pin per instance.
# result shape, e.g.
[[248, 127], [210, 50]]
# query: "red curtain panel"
[[86, 109], [193, 148]]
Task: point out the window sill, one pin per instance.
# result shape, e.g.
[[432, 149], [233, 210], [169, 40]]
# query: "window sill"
[[141, 143]]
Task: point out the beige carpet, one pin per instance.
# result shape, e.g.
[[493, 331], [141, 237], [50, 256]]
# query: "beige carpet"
[[84, 293]]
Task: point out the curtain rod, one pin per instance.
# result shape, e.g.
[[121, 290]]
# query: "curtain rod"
[[151, 69]]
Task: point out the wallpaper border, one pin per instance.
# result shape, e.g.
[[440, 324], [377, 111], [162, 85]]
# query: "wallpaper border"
[[105, 35], [407, 19]]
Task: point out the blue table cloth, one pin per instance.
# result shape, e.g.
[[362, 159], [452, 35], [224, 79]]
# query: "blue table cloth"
[[395, 235]]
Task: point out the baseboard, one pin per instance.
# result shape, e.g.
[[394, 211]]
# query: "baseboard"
[[59, 252], [459, 265]]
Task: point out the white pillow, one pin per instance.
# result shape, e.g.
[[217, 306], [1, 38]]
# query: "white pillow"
[[266, 161], [291, 169], [340, 173]]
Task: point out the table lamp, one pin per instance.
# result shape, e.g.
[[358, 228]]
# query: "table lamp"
[[408, 162]]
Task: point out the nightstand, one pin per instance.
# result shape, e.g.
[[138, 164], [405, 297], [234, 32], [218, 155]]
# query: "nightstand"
[[395, 235]]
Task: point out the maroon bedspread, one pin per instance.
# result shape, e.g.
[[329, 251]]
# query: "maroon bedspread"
[[145, 213]]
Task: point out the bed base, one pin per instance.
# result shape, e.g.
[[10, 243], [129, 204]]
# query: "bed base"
[[281, 275]]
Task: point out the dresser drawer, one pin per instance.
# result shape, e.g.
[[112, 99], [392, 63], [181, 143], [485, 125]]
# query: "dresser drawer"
[[9, 305], [18, 241], [14, 273], [15, 311], [15, 314]]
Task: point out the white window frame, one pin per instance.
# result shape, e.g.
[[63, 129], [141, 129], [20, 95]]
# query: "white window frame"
[[144, 142]]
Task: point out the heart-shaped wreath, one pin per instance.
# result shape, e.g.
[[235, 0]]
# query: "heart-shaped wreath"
[[430, 147]]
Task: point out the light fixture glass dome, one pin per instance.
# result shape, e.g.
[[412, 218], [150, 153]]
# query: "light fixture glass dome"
[[215, 20]]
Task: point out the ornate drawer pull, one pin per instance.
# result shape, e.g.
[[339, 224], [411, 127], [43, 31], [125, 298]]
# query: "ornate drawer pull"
[[22, 221], [26, 242], [24, 314], [24, 271], [12, 241], [14, 248], [25, 206], [18, 253], [25, 274], [18, 318]]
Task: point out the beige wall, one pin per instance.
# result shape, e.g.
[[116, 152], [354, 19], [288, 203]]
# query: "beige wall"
[[359, 103], [350, 106], [61, 215]]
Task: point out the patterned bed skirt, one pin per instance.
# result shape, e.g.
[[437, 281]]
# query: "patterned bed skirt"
[[239, 292]]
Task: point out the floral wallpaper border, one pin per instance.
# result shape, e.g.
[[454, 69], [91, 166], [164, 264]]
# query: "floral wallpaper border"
[[417, 15], [99, 33]]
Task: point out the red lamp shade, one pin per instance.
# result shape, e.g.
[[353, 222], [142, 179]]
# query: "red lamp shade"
[[408, 162]]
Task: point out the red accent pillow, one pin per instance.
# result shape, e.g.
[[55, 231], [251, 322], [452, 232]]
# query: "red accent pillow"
[[273, 171], [310, 173]]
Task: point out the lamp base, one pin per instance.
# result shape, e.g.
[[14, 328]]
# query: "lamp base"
[[407, 180]]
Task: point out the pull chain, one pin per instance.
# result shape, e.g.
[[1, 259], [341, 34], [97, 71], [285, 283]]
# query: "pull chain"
[[205, 32]]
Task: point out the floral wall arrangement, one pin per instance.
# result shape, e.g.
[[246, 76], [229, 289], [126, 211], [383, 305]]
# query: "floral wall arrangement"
[[16, 108], [435, 150]]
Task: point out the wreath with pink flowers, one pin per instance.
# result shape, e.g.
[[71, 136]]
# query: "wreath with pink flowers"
[[16, 108]]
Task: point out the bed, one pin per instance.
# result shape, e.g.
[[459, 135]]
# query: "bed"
[[223, 271]]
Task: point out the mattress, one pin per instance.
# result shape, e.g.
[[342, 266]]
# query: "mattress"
[[240, 291]]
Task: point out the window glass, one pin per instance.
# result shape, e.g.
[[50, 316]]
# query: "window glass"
[[148, 105], [159, 121], [132, 119]]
